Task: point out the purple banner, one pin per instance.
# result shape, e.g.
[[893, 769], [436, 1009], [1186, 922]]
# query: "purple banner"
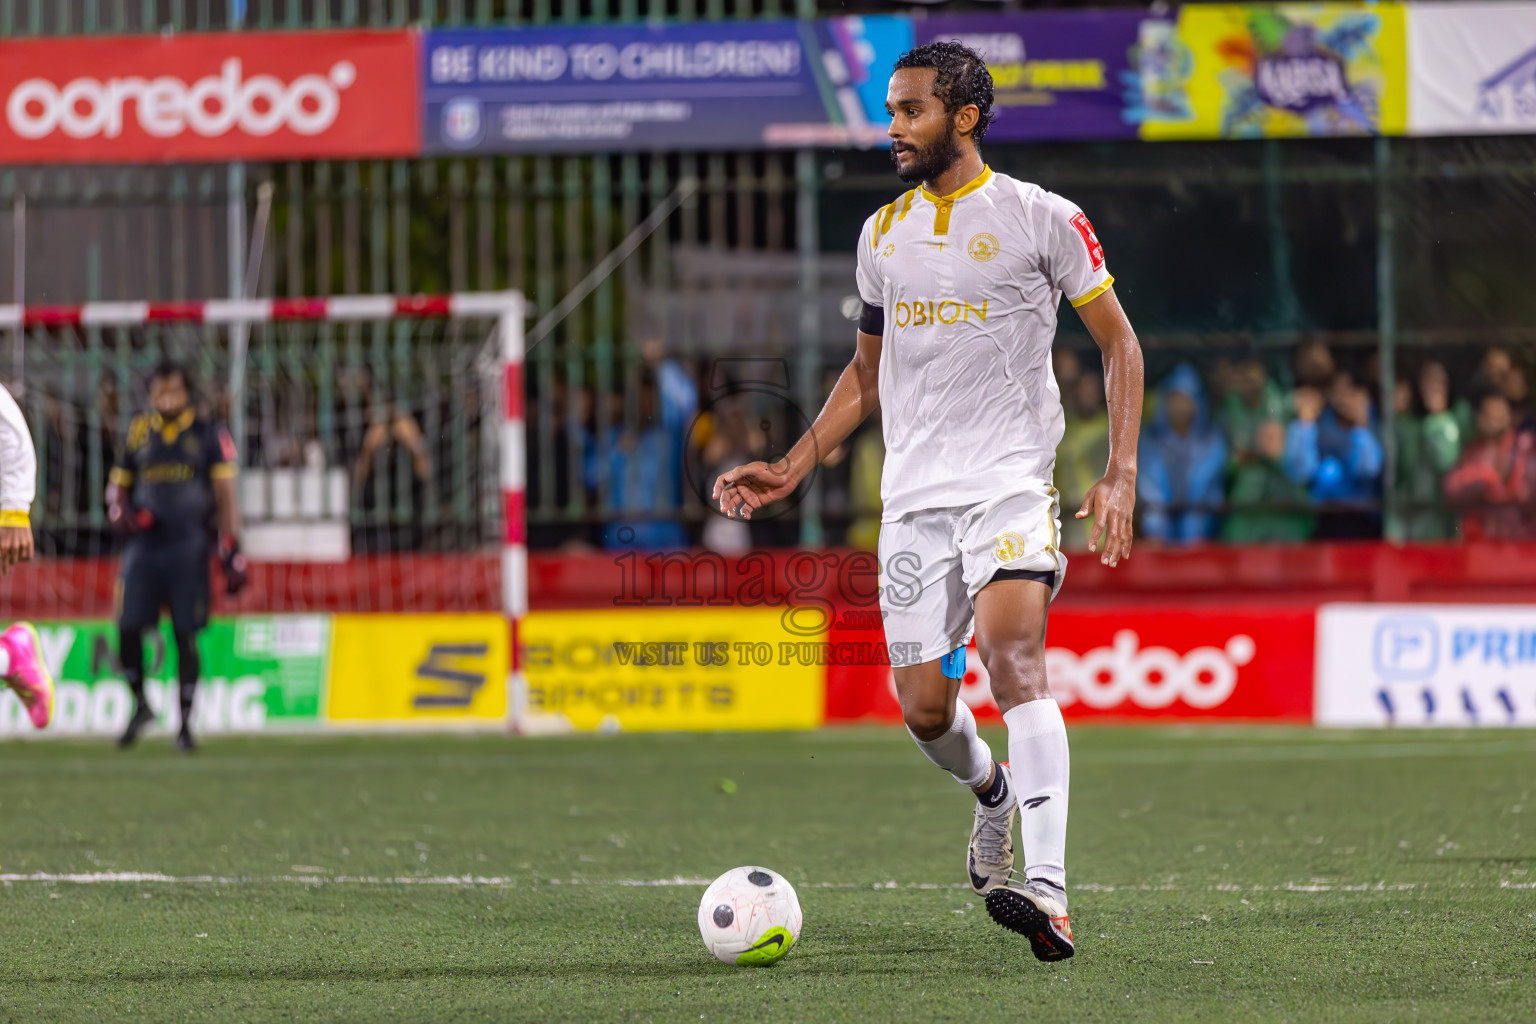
[[1057, 75]]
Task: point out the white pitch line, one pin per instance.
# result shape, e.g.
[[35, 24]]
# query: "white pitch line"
[[677, 881]]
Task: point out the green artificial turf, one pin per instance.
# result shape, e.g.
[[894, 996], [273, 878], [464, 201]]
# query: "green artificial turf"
[[1232, 874]]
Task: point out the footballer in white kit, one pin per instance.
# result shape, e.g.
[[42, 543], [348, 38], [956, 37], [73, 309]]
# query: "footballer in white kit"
[[961, 279]]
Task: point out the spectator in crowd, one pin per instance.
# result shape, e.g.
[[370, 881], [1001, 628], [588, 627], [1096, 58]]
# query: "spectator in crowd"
[[642, 467], [1494, 478], [1082, 454], [864, 485], [678, 391], [561, 432], [1313, 365], [836, 470], [1251, 398], [728, 442], [1332, 447], [1066, 367], [373, 429], [1182, 461], [1427, 448], [1516, 388], [1492, 370], [1264, 503]]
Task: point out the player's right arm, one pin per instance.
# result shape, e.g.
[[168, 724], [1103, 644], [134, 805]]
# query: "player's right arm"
[[121, 516], [18, 484], [856, 394]]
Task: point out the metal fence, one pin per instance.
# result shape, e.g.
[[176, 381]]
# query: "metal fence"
[[1393, 253]]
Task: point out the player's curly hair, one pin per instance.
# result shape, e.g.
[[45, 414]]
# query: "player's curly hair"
[[961, 77]]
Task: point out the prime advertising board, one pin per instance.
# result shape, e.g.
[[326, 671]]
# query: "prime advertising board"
[[1426, 665]]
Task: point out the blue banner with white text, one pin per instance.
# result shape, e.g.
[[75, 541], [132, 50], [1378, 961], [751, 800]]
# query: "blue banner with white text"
[[627, 88]]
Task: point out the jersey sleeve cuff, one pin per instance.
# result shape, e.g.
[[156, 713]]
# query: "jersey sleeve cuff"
[[222, 471], [120, 476], [15, 517], [1094, 293]]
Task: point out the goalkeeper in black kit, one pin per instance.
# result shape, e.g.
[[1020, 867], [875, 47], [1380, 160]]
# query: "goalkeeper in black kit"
[[172, 495]]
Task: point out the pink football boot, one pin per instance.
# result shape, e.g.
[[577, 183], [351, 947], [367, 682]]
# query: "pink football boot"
[[29, 675]]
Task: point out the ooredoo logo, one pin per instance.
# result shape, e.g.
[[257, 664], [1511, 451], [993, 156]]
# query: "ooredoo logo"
[[165, 107], [1127, 673], [1148, 677]]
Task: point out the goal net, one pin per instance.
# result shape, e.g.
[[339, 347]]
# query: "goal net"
[[380, 444]]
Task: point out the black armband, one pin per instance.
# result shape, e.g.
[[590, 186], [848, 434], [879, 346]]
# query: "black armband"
[[872, 319]]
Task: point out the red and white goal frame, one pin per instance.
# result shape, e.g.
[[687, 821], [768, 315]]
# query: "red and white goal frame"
[[506, 309]]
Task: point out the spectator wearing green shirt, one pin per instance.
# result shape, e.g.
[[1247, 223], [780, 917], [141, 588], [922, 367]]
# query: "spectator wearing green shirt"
[[1251, 399], [1082, 454], [1427, 447], [1264, 504]]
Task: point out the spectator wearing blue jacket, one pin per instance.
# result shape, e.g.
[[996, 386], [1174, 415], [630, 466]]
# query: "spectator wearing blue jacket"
[[1182, 459], [643, 466], [1332, 447]]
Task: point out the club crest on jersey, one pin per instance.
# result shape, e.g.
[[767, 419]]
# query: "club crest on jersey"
[[1091, 240], [1009, 546], [983, 247], [889, 250]]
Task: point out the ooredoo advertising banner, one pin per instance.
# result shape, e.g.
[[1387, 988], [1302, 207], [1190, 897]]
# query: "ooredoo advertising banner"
[[1056, 75], [1128, 664], [1474, 68], [1247, 71], [209, 96], [624, 87], [1426, 665]]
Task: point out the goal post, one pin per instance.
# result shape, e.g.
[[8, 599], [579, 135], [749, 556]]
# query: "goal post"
[[435, 384]]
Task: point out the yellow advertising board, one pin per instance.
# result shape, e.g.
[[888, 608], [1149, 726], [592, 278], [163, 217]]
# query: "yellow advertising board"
[[428, 670], [718, 668], [1251, 71]]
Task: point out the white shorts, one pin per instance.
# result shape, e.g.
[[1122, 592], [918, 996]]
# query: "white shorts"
[[933, 563]]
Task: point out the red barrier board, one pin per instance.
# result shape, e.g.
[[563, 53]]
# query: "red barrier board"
[[1256, 663], [209, 96]]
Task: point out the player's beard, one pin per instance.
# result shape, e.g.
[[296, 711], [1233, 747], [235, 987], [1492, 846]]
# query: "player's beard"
[[930, 162]]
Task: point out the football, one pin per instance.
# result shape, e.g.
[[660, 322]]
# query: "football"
[[750, 917]]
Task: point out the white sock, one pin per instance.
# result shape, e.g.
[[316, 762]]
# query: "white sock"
[[960, 751], [1038, 761]]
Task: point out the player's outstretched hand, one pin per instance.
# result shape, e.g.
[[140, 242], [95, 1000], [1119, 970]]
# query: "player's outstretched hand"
[[236, 569], [15, 546], [1111, 502], [745, 488]]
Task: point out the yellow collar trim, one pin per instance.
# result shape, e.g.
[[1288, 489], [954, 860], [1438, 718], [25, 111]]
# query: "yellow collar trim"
[[174, 427], [964, 190]]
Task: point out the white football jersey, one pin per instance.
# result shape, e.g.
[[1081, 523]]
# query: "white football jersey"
[[970, 284]]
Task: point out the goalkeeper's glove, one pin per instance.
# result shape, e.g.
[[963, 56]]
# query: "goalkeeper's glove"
[[236, 572], [125, 520]]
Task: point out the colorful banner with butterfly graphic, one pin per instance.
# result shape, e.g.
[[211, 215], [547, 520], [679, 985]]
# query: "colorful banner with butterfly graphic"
[[1248, 71]]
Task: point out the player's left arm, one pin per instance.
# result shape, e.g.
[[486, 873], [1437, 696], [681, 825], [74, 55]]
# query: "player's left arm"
[[1112, 500], [18, 484]]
